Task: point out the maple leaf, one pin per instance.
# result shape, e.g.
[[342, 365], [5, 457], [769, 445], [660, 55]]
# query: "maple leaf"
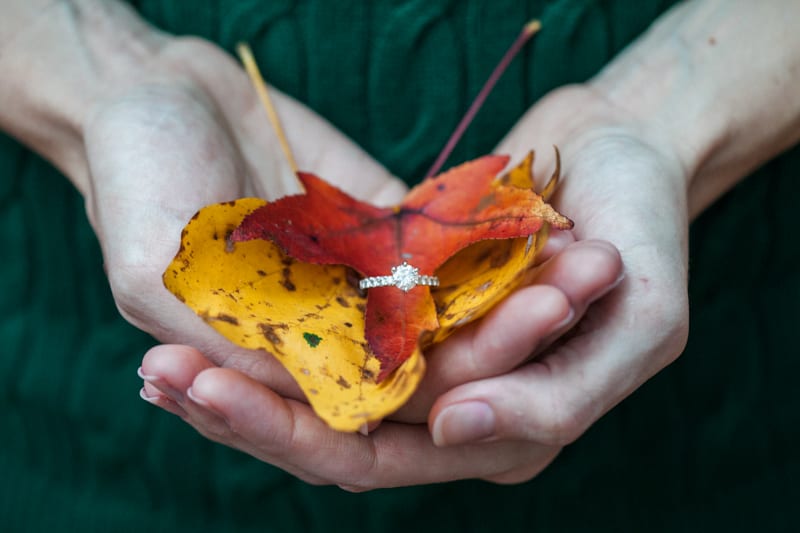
[[312, 317], [283, 277], [436, 219]]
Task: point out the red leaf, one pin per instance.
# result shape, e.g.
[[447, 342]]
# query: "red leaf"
[[437, 219]]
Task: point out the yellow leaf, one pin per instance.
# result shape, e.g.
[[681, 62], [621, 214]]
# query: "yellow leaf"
[[310, 317], [477, 278]]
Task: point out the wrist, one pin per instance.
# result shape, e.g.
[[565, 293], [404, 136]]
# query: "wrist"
[[65, 58], [714, 83]]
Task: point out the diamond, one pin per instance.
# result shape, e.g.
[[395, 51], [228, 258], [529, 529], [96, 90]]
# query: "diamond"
[[405, 277]]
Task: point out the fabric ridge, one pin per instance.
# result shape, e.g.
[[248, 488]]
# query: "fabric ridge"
[[708, 443]]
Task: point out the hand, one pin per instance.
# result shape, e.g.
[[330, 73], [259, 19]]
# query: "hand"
[[239, 411], [191, 132], [619, 188], [496, 414]]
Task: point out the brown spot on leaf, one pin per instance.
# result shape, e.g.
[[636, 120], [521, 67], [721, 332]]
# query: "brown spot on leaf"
[[501, 259], [343, 382], [483, 256], [341, 301], [352, 278], [268, 331], [222, 317], [286, 280], [261, 273]]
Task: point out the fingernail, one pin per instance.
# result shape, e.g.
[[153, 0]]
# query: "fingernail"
[[162, 385], [205, 404], [566, 321], [199, 401], [463, 423], [150, 399], [163, 402]]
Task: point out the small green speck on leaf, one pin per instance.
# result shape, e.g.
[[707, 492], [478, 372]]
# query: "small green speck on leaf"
[[312, 340]]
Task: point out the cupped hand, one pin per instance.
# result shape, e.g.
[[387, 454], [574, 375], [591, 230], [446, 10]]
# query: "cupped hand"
[[165, 148], [625, 188], [505, 398], [237, 410], [186, 131]]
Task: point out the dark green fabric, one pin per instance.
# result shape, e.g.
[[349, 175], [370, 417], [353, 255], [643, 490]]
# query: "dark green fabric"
[[710, 443]]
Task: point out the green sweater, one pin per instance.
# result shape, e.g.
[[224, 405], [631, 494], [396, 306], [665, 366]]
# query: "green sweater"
[[711, 442]]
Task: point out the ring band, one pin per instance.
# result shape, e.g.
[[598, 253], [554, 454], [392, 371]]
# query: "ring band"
[[405, 277]]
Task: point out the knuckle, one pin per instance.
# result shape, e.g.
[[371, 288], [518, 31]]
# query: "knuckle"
[[556, 418], [666, 317]]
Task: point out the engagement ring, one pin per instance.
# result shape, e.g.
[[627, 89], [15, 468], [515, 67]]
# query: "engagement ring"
[[405, 277]]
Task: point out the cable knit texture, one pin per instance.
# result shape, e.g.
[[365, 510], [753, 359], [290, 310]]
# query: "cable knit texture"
[[709, 443]]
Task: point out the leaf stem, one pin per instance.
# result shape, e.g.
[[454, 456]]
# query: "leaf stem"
[[246, 55], [528, 31]]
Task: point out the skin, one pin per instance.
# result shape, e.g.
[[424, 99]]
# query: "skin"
[[501, 397]]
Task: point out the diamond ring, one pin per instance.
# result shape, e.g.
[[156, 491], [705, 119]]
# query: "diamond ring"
[[405, 277]]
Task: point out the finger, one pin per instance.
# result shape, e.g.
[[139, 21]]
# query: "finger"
[[556, 241], [172, 368], [621, 342], [151, 394], [168, 372], [288, 434], [498, 343], [522, 324], [584, 272]]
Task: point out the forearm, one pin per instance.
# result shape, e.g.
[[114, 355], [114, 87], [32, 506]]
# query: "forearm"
[[718, 80], [58, 57]]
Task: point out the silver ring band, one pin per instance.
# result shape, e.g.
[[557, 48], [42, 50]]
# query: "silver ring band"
[[405, 277]]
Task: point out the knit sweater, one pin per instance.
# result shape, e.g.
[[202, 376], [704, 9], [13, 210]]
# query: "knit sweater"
[[711, 442]]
